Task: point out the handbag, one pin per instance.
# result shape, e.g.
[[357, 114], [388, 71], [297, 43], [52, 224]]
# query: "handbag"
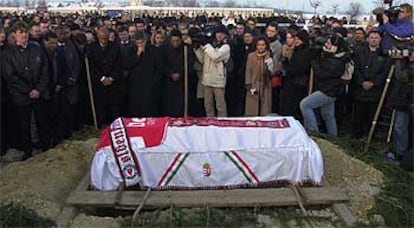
[[276, 81]]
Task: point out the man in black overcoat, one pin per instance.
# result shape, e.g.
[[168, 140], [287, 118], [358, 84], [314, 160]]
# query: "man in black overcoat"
[[145, 72], [105, 66], [26, 75], [173, 80], [67, 90]]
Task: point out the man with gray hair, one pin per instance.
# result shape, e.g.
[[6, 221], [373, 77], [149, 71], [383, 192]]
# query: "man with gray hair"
[[106, 69]]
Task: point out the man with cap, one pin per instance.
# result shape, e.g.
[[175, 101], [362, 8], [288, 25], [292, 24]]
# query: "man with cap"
[[214, 57]]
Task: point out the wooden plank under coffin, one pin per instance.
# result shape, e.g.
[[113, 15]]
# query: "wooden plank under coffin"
[[68, 212], [266, 197]]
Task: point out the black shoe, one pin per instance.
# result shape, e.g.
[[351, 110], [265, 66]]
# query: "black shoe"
[[26, 156]]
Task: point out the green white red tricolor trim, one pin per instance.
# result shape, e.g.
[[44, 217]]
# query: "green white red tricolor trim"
[[173, 169], [244, 168]]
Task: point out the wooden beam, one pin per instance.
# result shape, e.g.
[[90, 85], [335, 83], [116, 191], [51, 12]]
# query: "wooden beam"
[[343, 211], [345, 214], [268, 197], [68, 212]]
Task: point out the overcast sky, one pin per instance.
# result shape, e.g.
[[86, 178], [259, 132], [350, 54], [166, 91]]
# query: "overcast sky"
[[368, 5]]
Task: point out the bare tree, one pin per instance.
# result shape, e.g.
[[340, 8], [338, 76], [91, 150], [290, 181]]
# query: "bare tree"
[[335, 8], [213, 3], [42, 6], [149, 2], [193, 3], [230, 3], [355, 9], [15, 3], [315, 5], [379, 3]]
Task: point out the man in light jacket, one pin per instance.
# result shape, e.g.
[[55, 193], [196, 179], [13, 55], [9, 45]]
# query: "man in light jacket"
[[214, 57]]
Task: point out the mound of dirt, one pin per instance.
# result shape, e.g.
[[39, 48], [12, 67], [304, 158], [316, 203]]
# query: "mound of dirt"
[[82, 220], [44, 181], [361, 181]]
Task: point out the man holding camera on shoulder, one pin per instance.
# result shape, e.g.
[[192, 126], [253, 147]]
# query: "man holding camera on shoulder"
[[403, 26], [398, 29], [214, 56]]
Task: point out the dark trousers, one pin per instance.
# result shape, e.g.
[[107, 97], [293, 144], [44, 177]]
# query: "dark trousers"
[[65, 118], [196, 107], [23, 115], [363, 115], [291, 95], [4, 128], [106, 113], [276, 100], [235, 96]]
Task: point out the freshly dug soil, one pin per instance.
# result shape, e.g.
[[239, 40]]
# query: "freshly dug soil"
[[44, 182], [360, 180]]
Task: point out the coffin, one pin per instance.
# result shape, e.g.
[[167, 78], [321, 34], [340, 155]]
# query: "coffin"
[[204, 153]]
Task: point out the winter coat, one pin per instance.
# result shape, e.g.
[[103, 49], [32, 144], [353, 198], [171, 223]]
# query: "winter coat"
[[401, 95], [276, 48], [258, 77], [328, 76], [295, 81], [105, 61], [173, 91], [213, 60], [68, 66], [298, 67], [401, 28], [144, 82], [24, 70], [369, 66]]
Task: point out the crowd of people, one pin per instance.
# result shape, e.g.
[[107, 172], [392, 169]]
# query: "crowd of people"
[[137, 68]]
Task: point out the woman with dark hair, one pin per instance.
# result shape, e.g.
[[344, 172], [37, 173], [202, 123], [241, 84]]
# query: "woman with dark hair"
[[259, 68], [295, 80], [329, 85]]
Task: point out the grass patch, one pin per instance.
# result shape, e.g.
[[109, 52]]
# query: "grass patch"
[[231, 217], [14, 215], [395, 202]]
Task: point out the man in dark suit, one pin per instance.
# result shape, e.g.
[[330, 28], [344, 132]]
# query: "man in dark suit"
[[106, 69], [67, 89], [26, 76]]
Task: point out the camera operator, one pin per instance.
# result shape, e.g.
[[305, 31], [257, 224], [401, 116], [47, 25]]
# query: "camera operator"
[[403, 26], [401, 99], [329, 85], [213, 55]]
